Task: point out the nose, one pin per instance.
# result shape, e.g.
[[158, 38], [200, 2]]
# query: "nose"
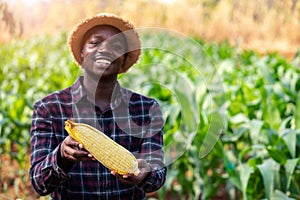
[[103, 47]]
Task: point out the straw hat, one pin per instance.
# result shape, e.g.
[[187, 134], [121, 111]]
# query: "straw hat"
[[133, 41]]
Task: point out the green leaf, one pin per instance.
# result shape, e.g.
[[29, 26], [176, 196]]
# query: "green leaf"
[[297, 112], [184, 91], [268, 170], [255, 127], [290, 139], [277, 155], [235, 136], [278, 195], [245, 172], [239, 118], [272, 116], [212, 134], [289, 170], [232, 172]]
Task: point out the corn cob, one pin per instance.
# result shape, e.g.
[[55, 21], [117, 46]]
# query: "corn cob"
[[112, 155]]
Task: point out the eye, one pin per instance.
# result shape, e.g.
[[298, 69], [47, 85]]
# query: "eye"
[[118, 46], [94, 43]]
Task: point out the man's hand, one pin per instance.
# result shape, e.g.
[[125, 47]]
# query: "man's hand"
[[131, 179], [71, 150]]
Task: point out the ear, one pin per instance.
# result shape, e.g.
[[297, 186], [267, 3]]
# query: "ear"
[[81, 55]]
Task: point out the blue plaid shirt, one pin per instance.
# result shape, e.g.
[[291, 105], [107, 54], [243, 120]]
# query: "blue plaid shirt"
[[132, 120]]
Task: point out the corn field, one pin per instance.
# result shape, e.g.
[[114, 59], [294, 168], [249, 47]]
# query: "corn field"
[[232, 114]]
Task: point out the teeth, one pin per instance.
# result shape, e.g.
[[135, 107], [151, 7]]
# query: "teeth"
[[105, 61]]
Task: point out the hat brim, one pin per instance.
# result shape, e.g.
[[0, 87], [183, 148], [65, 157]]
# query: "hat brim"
[[133, 42]]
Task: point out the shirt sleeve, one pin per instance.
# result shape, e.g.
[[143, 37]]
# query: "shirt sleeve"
[[45, 174], [152, 151]]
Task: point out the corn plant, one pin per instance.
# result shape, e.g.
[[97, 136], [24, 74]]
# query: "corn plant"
[[232, 117]]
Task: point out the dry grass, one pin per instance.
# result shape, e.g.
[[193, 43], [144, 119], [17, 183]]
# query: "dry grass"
[[263, 25]]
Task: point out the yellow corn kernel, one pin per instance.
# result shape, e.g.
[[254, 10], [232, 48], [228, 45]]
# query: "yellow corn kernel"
[[112, 155]]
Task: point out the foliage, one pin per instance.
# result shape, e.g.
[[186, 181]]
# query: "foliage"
[[232, 118], [259, 146], [30, 69]]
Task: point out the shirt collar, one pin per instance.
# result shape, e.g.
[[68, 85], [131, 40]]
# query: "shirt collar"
[[77, 91], [120, 95]]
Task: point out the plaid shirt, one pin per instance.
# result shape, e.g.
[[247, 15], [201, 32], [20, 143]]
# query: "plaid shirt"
[[132, 120]]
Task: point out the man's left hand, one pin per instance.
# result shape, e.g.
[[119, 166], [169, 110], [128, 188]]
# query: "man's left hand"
[[131, 179]]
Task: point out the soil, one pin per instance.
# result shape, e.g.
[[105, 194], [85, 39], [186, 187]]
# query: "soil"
[[15, 184]]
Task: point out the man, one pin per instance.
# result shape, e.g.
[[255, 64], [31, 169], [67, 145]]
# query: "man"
[[104, 46]]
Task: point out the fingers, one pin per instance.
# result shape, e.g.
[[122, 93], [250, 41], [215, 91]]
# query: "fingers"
[[72, 150], [123, 176], [143, 165], [113, 173], [126, 179], [131, 178], [69, 141]]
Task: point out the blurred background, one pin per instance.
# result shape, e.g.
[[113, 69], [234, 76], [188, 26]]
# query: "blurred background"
[[267, 25], [225, 72]]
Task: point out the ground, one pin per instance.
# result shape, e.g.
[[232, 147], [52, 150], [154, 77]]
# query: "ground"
[[14, 187], [13, 184]]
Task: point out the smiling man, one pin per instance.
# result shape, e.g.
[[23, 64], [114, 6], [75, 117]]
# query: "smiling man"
[[104, 46]]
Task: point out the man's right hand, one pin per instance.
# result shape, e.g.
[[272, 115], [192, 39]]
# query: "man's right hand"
[[70, 152]]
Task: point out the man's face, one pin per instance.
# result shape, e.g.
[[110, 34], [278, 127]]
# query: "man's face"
[[103, 51]]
